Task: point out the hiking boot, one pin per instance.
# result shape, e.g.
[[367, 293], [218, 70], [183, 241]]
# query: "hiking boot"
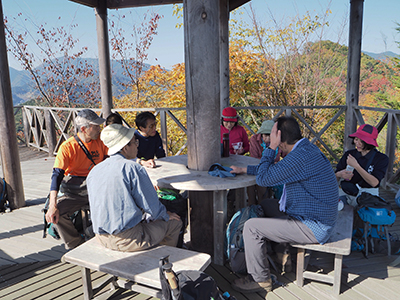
[[248, 285], [284, 260]]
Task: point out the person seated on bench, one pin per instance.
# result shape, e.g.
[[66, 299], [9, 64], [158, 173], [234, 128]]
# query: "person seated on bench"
[[305, 214], [125, 210], [71, 160], [150, 143], [361, 169]]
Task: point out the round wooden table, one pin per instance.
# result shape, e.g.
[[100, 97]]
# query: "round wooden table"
[[172, 172]]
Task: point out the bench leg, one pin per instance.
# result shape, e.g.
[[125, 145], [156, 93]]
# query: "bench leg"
[[87, 284], [388, 240], [337, 273], [300, 266]]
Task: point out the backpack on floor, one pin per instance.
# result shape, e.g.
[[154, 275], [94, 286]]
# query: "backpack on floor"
[[375, 210], [234, 245], [186, 285], [376, 213], [3, 195]]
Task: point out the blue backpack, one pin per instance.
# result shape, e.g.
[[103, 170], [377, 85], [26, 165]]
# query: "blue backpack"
[[376, 213], [234, 245], [375, 210]]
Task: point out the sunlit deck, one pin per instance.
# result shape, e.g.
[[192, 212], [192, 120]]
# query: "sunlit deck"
[[30, 266]]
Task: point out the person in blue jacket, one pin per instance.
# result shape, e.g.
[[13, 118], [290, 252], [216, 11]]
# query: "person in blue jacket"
[[305, 214], [150, 143]]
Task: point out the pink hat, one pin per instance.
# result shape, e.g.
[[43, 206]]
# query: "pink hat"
[[367, 133], [229, 114]]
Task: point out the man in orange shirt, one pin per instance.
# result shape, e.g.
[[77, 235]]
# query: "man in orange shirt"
[[71, 160]]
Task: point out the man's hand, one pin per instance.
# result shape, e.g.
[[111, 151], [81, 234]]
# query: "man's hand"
[[275, 137], [53, 214], [173, 216], [148, 163], [238, 170]]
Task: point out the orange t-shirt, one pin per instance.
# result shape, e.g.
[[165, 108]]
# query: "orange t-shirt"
[[73, 160]]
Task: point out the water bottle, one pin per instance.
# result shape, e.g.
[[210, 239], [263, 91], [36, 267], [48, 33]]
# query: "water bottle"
[[225, 143]]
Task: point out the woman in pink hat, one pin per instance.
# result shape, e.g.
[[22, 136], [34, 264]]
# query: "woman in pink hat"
[[238, 139], [361, 169]]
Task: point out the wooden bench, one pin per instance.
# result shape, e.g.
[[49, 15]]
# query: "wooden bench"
[[339, 244], [140, 268]]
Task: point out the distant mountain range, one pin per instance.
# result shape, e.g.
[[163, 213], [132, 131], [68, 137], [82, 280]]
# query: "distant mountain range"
[[381, 56], [23, 88]]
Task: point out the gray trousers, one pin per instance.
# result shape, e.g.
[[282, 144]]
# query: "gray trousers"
[[276, 227], [67, 205]]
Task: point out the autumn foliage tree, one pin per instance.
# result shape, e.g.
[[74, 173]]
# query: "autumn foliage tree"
[[51, 56], [130, 49]]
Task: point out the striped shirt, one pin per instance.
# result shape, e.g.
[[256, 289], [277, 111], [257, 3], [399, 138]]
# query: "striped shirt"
[[311, 186]]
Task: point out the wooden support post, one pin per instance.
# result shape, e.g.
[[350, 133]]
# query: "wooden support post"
[[164, 132], [391, 142], [202, 82], [219, 208], [224, 53], [26, 127], [104, 58], [50, 132], [202, 69], [8, 147], [353, 69], [201, 221]]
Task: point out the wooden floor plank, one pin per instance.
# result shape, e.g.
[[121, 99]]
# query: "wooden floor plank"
[[224, 283], [33, 279], [23, 272]]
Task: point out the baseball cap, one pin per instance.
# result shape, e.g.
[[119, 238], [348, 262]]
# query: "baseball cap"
[[88, 116], [266, 127]]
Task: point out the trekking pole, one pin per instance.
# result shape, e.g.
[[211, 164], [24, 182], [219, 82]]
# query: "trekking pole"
[[173, 283]]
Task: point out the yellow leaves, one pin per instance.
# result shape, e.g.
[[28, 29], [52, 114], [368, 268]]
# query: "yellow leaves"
[[177, 11]]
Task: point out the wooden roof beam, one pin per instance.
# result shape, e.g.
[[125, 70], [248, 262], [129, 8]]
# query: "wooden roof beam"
[[117, 4]]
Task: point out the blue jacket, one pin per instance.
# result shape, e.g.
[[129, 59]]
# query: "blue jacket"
[[149, 146], [311, 186]]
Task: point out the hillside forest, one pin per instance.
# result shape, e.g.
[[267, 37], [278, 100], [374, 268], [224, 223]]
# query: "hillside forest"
[[288, 64]]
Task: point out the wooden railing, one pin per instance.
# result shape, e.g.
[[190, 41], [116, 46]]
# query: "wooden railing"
[[45, 128]]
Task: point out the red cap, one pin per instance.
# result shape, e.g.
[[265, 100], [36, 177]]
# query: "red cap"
[[367, 133], [229, 114]]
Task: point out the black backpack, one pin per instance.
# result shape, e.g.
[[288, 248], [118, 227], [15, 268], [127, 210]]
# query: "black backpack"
[[3, 195], [186, 285]]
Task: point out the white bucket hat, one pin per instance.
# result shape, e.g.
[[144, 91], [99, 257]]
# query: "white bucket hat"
[[116, 137]]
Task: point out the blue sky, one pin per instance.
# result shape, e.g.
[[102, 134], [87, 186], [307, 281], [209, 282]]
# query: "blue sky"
[[167, 49]]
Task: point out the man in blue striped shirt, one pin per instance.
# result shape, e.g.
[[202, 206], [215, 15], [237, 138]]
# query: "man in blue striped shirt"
[[307, 211]]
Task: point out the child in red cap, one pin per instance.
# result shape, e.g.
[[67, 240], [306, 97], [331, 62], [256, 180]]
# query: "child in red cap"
[[238, 139]]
